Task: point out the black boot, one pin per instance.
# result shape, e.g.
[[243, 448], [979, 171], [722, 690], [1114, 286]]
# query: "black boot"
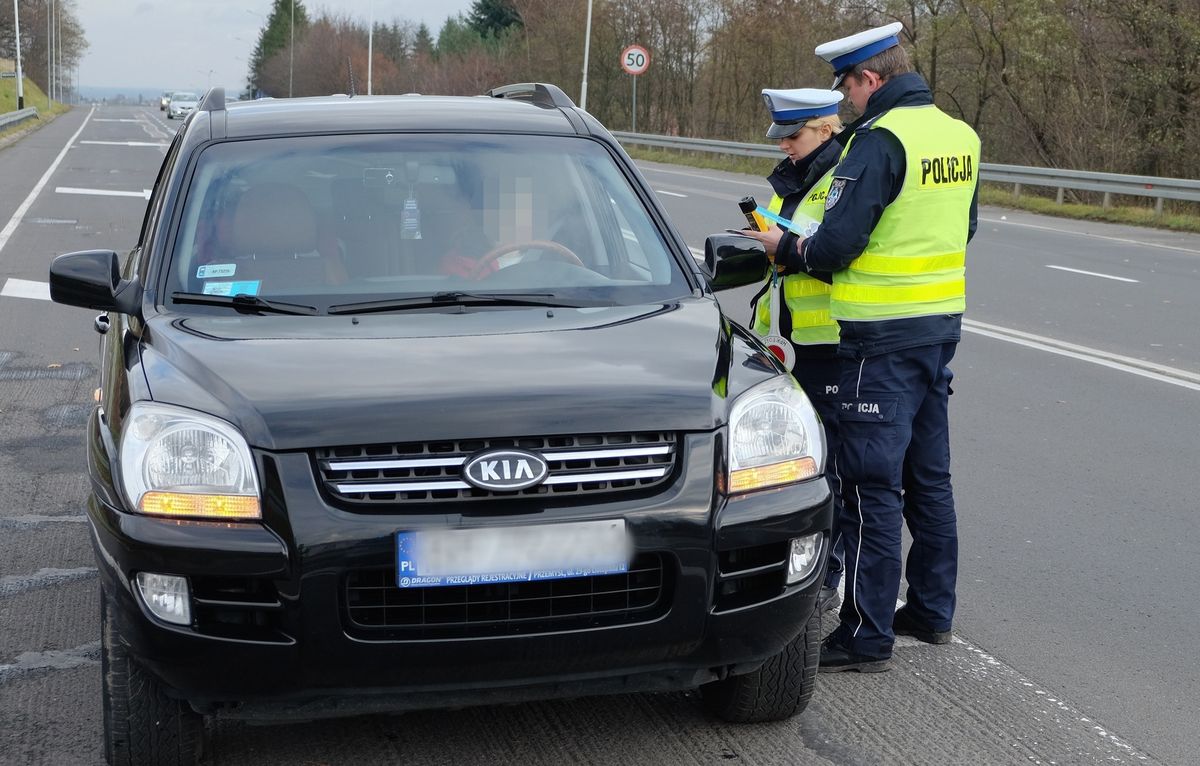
[[904, 624], [828, 599], [835, 659]]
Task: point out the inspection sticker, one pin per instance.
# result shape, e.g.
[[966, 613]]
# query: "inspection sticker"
[[211, 270], [248, 287]]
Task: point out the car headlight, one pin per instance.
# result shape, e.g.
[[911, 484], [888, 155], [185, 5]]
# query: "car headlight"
[[775, 437], [184, 464]]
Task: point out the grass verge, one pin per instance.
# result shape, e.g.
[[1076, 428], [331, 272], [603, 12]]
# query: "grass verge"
[[33, 97], [1176, 216]]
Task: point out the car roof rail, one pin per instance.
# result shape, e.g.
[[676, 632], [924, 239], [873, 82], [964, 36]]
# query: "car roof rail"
[[540, 93], [213, 101]]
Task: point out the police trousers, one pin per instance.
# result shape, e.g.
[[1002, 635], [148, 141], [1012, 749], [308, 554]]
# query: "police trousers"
[[820, 377], [894, 465]]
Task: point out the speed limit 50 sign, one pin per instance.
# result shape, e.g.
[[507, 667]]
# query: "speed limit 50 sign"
[[635, 59]]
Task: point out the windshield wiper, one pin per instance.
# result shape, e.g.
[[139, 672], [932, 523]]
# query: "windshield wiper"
[[452, 298], [246, 303]]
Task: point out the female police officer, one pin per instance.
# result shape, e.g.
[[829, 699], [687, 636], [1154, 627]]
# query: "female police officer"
[[791, 311]]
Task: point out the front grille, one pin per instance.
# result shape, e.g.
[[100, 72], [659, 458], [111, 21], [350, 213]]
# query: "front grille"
[[377, 608], [431, 471], [750, 575]]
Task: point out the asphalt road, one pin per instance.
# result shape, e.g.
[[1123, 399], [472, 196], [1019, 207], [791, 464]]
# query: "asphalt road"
[[1074, 439]]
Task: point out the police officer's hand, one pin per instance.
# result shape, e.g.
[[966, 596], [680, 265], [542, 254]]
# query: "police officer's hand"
[[769, 238]]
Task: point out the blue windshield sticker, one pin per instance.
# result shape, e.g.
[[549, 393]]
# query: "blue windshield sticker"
[[249, 287], [213, 270]]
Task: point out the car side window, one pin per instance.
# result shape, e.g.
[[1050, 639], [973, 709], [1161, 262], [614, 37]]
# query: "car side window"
[[158, 194]]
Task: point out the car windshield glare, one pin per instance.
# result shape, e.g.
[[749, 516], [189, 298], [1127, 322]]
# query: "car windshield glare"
[[336, 220]]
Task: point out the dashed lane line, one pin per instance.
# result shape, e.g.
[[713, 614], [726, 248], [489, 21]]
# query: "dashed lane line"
[[15, 221], [126, 143], [25, 288], [1091, 273], [144, 193]]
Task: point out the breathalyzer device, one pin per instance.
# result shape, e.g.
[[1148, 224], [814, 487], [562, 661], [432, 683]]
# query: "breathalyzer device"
[[749, 209]]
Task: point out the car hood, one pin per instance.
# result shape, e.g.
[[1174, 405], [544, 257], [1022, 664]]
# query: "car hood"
[[301, 382]]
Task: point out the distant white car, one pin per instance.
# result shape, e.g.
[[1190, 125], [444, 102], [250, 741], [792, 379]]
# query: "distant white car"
[[164, 101], [182, 104]]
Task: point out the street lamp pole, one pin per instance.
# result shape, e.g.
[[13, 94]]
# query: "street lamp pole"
[[292, 48], [58, 53], [370, 47], [17, 45], [49, 49], [587, 46]]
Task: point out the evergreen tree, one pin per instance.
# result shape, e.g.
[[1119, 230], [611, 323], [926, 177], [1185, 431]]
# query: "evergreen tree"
[[423, 42], [458, 36], [275, 37], [490, 18]]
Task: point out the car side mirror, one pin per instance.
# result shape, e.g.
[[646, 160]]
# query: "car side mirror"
[[733, 260], [92, 279]]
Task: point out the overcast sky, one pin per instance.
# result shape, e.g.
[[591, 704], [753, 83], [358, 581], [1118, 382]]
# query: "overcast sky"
[[156, 45]]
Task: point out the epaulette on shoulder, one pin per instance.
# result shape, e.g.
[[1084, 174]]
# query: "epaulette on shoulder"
[[867, 124]]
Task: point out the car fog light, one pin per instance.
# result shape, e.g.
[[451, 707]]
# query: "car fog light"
[[803, 557], [167, 596]]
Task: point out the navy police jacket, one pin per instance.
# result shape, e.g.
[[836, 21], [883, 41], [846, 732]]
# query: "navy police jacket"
[[847, 226]]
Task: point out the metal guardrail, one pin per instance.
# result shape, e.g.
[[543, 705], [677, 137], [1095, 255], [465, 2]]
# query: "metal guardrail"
[[15, 118], [1017, 175]]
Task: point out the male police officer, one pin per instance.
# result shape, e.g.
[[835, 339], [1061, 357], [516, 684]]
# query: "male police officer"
[[898, 215], [791, 311]]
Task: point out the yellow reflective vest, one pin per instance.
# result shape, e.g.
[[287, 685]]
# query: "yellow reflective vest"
[[914, 263], [806, 298]]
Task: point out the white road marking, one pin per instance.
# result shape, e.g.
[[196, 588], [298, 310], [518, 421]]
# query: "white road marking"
[[1091, 273], [114, 119], [15, 221], [1139, 367], [52, 659], [670, 193], [35, 520], [1138, 242], [13, 584], [759, 184], [24, 288], [144, 193], [125, 143]]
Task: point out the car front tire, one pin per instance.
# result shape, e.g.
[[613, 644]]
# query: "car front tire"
[[778, 690], [142, 725]]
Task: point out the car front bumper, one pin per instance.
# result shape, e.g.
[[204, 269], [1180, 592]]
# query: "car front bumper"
[[272, 636]]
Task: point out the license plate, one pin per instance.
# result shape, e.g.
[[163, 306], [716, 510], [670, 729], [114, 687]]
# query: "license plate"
[[437, 557]]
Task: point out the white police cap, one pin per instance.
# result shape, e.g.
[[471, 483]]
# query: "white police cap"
[[843, 54], [790, 109]]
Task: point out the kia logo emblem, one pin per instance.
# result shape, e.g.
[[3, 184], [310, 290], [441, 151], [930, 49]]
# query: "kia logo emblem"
[[505, 470]]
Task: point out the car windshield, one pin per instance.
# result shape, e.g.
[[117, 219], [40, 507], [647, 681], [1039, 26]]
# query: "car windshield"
[[184, 97], [347, 220]]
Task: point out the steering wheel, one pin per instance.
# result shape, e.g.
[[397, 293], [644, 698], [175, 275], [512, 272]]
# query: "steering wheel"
[[483, 266]]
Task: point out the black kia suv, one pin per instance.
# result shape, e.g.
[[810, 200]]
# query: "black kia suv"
[[421, 401]]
